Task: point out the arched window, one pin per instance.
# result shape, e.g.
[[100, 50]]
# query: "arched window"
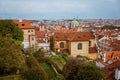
[[61, 45], [79, 46]]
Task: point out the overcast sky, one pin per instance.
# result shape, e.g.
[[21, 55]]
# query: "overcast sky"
[[60, 9]]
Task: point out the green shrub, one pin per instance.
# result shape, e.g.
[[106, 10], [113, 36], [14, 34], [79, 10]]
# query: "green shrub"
[[59, 77], [34, 74], [57, 57], [34, 71]]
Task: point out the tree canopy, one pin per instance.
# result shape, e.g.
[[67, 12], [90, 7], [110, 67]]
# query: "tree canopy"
[[11, 57], [9, 28], [76, 69]]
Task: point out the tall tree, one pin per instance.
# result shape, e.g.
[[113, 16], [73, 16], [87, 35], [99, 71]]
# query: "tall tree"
[[9, 28], [52, 43], [76, 69]]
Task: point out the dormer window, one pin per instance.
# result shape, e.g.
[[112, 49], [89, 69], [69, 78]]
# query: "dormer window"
[[23, 24], [115, 57]]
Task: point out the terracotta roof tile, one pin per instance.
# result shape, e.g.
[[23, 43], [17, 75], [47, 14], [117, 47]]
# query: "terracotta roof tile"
[[40, 41], [111, 55], [40, 34], [24, 24], [74, 36], [41, 23], [109, 70]]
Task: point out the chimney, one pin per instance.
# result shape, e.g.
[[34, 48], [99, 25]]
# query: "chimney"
[[20, 20]]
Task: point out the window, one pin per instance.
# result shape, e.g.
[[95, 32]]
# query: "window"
[[31, 30], [79, 46], [61, 45], [23, 24], [28, 30], [32, 39], [115, 57], [89, 43]]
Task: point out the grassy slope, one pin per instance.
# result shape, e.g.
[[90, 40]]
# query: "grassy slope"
[[48, 69], [59, 60]]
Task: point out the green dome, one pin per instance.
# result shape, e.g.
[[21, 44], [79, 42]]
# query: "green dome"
[[75, 22]]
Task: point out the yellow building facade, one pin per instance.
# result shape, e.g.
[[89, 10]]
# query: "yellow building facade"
[[28, 32], [76, 43]]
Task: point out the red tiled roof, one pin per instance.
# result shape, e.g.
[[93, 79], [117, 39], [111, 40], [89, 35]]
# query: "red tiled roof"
[[114, 43], [109, 70], [24, 24], [115, 64], [41, 24], [64, 30], [111, 41], [40, 34], [41, 41], [74, 36], [107, 32], [111, 54]]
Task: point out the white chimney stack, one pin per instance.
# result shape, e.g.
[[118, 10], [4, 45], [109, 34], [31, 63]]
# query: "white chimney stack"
[[20, 20]]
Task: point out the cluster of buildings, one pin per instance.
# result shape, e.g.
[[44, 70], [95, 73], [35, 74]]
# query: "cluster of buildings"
[[108, 47], [103, 46], [74, 40]]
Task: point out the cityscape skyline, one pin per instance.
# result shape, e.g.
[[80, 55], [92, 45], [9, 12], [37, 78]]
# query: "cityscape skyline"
[[60, 9]]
